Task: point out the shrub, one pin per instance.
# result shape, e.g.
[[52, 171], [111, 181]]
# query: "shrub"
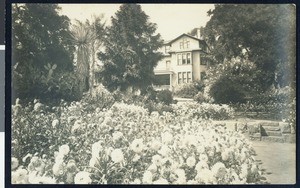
[[165, 96], [189, 90], [186, 90], [225, 91], [233, 81], [204, 111], [100, 97], [47, 85], [200, 98]]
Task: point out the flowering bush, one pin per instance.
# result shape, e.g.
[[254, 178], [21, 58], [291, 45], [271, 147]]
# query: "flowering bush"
[[126, 145], [204, 111]]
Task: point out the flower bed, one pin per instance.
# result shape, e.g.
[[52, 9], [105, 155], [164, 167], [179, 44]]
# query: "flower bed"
[[125, 145]]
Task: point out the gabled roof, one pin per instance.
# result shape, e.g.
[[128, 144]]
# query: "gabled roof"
[[184, 34]]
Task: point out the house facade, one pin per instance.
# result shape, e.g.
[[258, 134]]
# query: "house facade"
[[184, 61]]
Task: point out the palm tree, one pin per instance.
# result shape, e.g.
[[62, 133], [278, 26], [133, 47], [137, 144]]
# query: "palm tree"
[[87, 38], [97, 27], [82, 37]]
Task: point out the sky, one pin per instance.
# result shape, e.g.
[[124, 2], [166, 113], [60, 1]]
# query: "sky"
[[172, 19]]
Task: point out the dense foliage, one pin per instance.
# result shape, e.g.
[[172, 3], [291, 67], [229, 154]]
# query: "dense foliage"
[[189, 90], [41, 46], [264, 33], [124, 144], [233, 82], [130, 50]]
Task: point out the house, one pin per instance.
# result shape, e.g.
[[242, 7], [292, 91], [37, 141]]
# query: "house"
[[184, 60]]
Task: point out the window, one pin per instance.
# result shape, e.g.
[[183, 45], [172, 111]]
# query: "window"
[[167, 49], [187, 44], [184, 44], [184, 77], [179, 78], [179, 59], [181, 45], [189, 77], [184, 58], [202, 75], [188, 58], [168, 64]]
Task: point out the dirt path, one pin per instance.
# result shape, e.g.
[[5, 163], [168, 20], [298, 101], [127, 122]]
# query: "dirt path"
[[278, 161]]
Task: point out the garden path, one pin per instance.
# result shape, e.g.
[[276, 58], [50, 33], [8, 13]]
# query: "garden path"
[[278, 160]]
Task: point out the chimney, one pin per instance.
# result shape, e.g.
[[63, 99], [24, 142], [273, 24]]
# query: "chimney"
[[199, 33]]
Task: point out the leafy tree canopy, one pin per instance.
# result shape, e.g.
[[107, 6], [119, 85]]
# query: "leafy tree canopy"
[[265, 33], [131, 46], [41, 36], [40, 47]]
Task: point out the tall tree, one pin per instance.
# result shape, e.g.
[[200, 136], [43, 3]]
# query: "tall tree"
[[87, 37], [40, 36], [265, 33], [97, 26], [130, 50]]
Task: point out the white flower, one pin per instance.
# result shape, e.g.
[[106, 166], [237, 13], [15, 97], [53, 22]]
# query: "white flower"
[[59, 158], [147, 177], [93, 161], [26, 157], [71, 166], [161, 181], [155, 145], [82, 177], [36, 164], [166, 137], [117, 135], [33, 178], [244, 171], [181, 178], [117, 156], [76, 125], [38, 106], [96, 148], [137, 145], [206, 176], [136, 158], [227, 154], [201, 165], [64, 149], [58, 169], [191, 182], [203, 157], [164, 150], [157, 160], [55, 123], [136, 181], [152, 168], [191, 161], [14, 163], [219, 170], [19, 176]]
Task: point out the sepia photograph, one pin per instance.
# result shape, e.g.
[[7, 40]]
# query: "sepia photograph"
[[153, 93]]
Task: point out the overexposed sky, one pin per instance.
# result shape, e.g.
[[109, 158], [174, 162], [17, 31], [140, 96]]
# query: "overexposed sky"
[[172, 19]]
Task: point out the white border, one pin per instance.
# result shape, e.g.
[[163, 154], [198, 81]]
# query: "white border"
[[2, 162], [2, 47]]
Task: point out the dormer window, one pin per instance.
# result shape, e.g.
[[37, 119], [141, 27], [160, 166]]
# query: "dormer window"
[[181, 45], [185, 44], [167, 49]]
